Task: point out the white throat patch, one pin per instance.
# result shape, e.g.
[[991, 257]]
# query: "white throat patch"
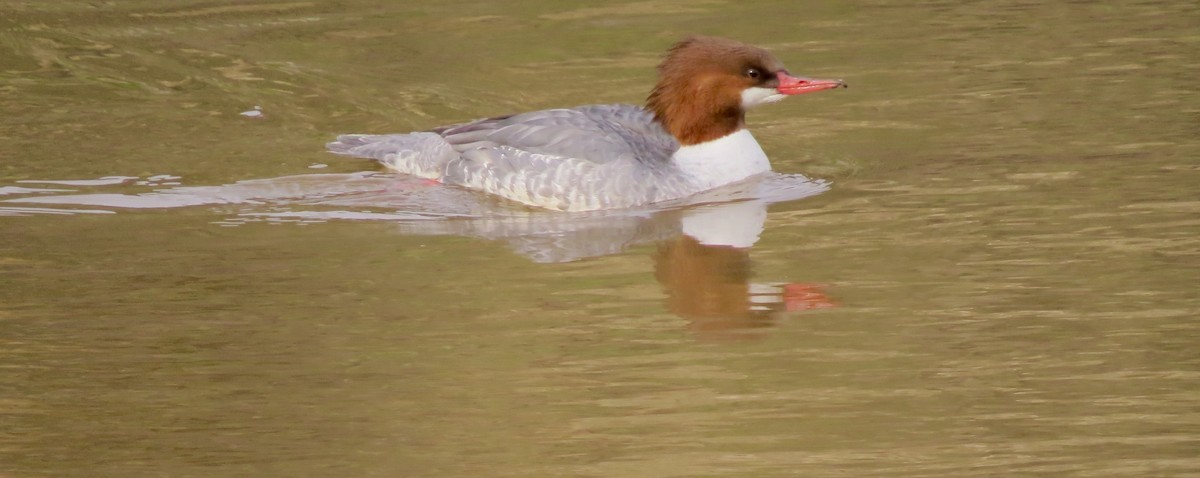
[[756, 95]]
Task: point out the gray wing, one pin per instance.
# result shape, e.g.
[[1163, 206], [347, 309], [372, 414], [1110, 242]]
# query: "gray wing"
[[554, 182], [596, 133]]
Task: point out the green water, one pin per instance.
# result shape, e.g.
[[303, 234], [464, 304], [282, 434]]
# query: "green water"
[[1001, 280]]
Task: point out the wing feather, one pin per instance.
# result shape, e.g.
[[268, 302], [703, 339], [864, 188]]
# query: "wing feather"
[[598, 133]]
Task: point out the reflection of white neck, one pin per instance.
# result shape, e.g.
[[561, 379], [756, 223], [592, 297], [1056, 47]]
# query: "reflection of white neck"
[[724, 160], [733, 224]]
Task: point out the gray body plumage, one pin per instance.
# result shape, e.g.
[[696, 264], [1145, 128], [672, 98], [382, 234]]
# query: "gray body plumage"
[[577, 159]]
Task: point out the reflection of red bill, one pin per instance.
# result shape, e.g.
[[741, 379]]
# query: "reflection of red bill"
[[797, 297]]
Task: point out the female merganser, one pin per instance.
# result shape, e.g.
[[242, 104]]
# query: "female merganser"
[[689, 138]]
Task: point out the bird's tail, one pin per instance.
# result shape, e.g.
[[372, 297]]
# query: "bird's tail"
[[419, 154]]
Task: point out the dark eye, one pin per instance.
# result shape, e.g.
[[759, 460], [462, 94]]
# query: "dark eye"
[[753, 73]]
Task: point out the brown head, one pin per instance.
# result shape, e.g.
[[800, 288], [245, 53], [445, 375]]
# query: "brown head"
[[705, 85]]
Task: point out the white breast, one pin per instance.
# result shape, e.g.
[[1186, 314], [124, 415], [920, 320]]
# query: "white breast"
[[724, 160]]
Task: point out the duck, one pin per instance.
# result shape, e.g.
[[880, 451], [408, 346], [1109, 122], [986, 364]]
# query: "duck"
[[689, 137]]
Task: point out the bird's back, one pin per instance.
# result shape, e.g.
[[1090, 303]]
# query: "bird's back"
[[584, 158]]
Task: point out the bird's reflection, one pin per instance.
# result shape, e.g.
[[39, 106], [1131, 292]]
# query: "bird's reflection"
[[702, 257], [712, 287], [708, 275]]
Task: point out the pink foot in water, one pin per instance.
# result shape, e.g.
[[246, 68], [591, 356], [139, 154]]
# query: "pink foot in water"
[[408, 185]]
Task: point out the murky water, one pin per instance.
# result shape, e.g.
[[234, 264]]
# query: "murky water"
[[992, 271]]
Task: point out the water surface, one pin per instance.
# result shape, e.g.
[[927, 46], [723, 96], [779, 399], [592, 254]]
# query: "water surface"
[[989, 267]]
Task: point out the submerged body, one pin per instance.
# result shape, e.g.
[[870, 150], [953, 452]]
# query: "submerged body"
[[690, 138]]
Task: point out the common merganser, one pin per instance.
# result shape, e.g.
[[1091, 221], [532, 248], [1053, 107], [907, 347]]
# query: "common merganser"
[[690, 137]]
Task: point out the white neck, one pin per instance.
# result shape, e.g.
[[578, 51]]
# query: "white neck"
[[728, 159]]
